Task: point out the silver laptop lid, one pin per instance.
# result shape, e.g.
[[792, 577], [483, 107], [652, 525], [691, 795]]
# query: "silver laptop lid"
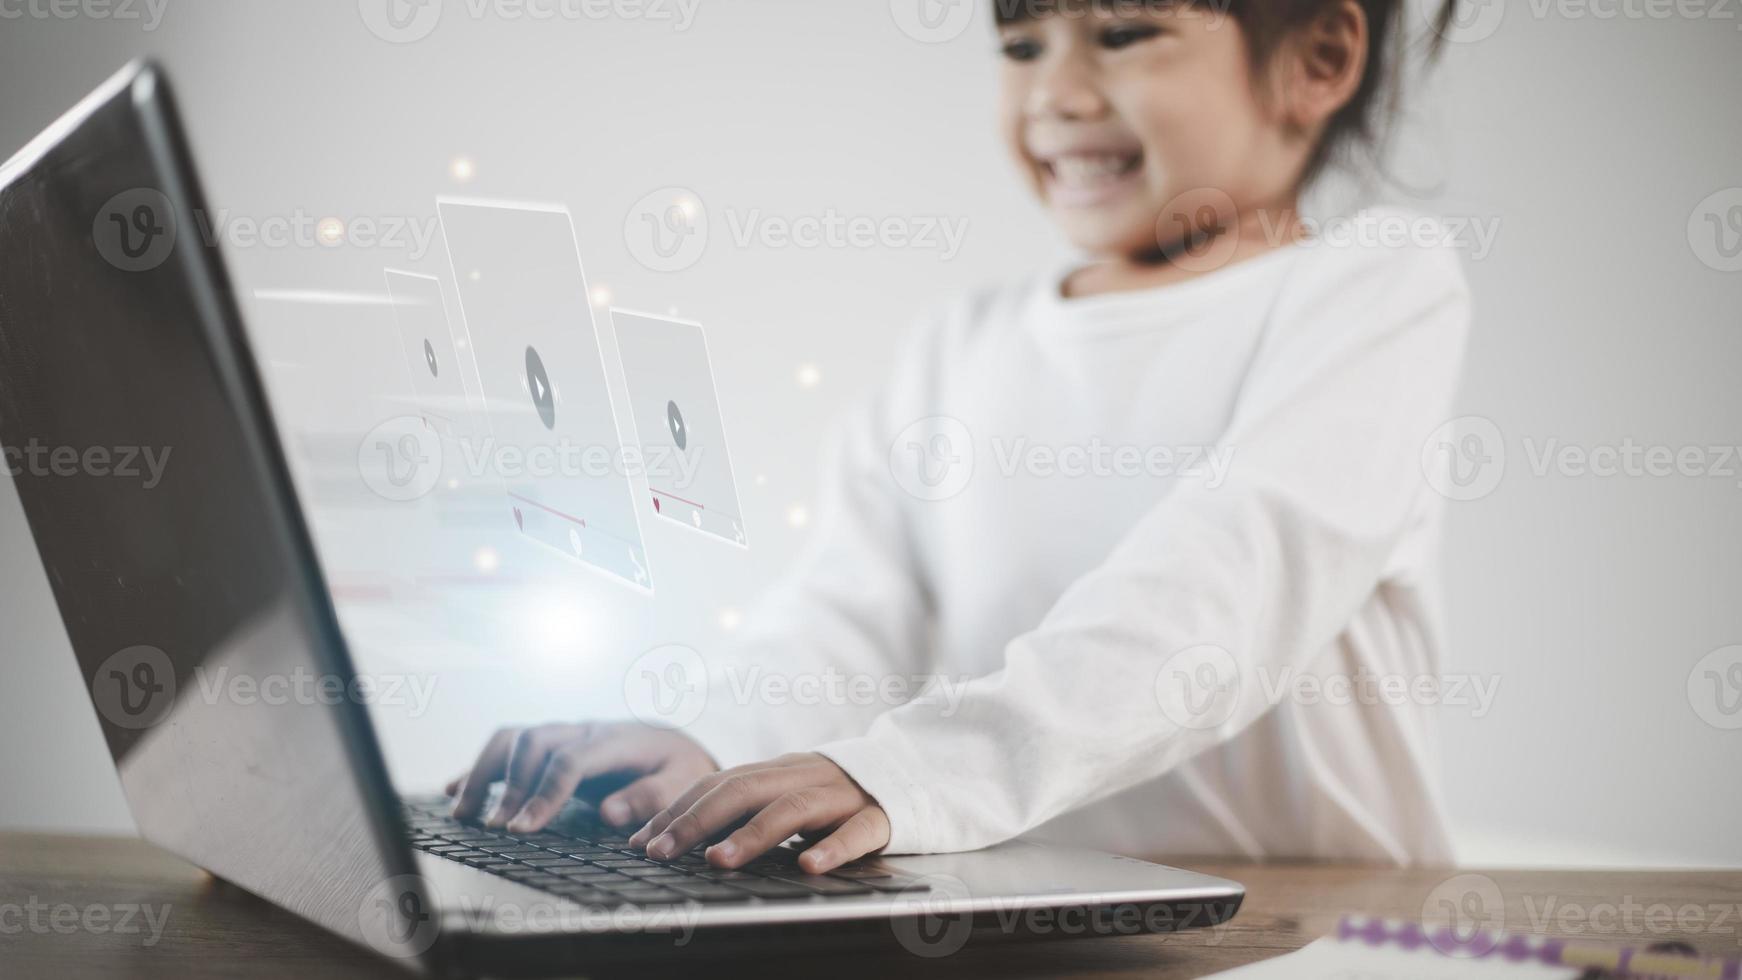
[[133, 417]]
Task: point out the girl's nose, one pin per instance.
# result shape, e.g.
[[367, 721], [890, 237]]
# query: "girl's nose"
[[1066, 88]]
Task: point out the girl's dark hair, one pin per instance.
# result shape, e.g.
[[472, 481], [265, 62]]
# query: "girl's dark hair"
[[1267, 23]]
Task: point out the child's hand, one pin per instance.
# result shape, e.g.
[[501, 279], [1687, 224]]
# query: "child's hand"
[[543, 767], [803, 793]]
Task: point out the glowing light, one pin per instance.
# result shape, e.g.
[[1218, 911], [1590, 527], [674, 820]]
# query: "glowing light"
[[555, 627], [688, 207], [762, 479], [323, 297], [809, 376], [330, 231], [601, 296], [462, 169], [486, 560], [474, 275], [729, 619], [453, 484], [798, 516]]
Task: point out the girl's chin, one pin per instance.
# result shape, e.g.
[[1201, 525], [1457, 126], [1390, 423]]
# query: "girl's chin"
[[1109, 235]]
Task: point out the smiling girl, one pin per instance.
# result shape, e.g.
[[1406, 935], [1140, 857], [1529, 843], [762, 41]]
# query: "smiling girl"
[[1138, 655]]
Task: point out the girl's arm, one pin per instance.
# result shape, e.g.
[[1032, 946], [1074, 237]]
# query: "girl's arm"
[[1262, 572]]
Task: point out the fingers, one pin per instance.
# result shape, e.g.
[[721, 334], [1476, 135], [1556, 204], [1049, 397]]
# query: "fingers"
[[454, 785], [657, 823], [637, 802], [697, 816], [864, 833], [526, 760], [565, 768], [790, 813], [488, 768], [695, 791], [543, 767]]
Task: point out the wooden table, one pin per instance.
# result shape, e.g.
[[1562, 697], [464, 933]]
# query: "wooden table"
[[215, 930]]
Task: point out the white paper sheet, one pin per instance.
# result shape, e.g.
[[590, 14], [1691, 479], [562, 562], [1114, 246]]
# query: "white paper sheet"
[[1333, 959]]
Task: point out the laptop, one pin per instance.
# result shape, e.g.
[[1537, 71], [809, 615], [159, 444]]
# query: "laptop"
[[121, 343]]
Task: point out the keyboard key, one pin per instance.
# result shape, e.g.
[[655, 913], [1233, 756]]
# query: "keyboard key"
[[824, 885], [515, 851], [702, 891], [650, 871], [647, 896], [582, 895], [773, 889], [593, 874], [862, 872], [898, 883], [554, 862]]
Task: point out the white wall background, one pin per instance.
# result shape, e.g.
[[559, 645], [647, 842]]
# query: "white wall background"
[[1591, 141]]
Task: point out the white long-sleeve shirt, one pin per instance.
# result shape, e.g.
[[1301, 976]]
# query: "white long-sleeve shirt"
[[1166, 558]]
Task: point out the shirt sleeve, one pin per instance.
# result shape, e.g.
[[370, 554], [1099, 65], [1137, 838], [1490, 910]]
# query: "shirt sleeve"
[[845, 635], [1155, 655]]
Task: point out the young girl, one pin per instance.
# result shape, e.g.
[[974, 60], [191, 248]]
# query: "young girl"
[[1155, 525]]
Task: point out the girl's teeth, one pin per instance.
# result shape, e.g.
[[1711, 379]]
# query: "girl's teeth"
[[1090, 169]]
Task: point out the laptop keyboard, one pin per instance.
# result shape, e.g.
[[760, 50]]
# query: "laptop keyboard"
[[590, 863]]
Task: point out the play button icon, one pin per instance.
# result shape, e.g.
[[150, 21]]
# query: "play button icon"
[[679, 431], [430, 359], [538, 386]]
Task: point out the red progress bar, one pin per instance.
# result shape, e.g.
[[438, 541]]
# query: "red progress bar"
[[551, 510], [674, 496]]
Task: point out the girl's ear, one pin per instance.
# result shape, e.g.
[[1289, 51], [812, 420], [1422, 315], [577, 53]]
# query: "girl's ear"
[[1323, 65]]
